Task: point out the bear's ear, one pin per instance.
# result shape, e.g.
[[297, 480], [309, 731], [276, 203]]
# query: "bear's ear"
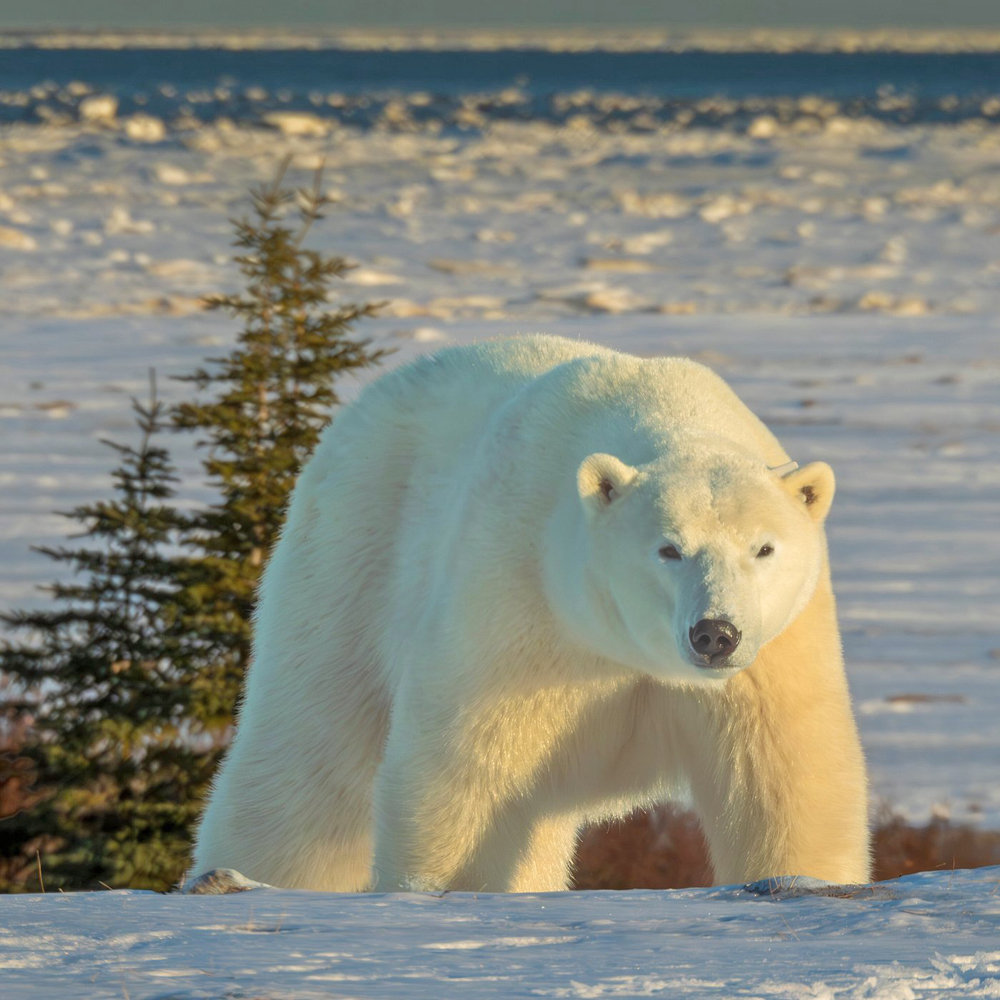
[[814, 486], [601, 479]]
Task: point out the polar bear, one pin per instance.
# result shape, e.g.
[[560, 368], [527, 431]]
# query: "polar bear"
[[524, 585]]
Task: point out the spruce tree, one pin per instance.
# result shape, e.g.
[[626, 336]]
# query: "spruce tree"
[[129, 687], [116, 779], [268, 400]]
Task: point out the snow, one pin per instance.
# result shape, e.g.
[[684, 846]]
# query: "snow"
[[837, 267], [830, 250], [928, 935], [906, 410]]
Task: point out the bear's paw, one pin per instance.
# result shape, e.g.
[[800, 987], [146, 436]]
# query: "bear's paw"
[[220, 881]]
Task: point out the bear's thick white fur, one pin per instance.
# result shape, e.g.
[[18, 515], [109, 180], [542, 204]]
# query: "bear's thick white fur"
[[469, 643]]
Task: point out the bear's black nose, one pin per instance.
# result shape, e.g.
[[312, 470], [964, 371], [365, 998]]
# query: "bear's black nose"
[[715, 639]]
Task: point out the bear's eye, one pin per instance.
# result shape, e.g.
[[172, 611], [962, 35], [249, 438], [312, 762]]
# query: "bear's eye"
[[669, 552], [765, 551]]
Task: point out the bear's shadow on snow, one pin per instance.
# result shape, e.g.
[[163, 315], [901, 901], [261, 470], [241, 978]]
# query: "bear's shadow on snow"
[[797, 886]]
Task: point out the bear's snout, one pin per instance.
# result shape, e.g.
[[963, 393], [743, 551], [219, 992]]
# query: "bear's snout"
[[714, 640]]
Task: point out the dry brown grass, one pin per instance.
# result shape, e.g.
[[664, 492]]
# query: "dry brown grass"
[[665, 849], [901, 849]]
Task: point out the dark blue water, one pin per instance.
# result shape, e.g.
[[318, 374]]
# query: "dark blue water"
[[684, 74], [667, 80]]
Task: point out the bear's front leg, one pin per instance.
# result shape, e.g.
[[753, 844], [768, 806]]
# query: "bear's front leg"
[[459, 804], [775, 763], [431, 815], [440, 825]]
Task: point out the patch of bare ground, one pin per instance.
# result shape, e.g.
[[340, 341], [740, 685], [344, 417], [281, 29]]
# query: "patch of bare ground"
[[665, 849]]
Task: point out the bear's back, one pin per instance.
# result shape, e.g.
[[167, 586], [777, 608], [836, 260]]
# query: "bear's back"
[[432, 414], [433, 410], [469, 383], [598, 400]]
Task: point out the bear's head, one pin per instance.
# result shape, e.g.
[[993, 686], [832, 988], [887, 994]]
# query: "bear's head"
[[686, 566]]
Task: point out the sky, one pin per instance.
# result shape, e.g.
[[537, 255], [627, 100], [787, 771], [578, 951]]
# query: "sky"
[[508, 13]]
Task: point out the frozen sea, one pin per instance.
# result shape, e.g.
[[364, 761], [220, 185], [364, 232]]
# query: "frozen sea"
[[820, 226]]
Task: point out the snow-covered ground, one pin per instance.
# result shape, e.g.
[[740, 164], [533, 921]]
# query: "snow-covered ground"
[[841, 274], [929, 935], [836, 259]]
